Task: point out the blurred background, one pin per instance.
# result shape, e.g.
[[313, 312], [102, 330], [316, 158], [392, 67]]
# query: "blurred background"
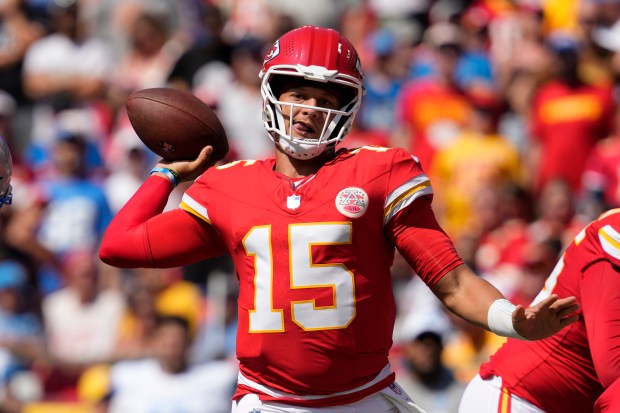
[[510, 105]]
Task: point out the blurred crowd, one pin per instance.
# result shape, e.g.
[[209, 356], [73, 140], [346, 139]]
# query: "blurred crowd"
[[510, 105]]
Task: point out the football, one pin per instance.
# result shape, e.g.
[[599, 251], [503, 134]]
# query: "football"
[[175, 124]]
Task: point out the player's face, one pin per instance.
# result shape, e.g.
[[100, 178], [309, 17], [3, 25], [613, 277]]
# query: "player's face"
[[307, 123]]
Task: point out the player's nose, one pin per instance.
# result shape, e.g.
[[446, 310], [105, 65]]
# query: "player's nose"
[[311, 107]]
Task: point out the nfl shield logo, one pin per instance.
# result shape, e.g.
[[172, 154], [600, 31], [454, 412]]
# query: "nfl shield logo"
[[293, 201]]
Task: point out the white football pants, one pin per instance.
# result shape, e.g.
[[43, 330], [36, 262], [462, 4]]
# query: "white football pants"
[[389, 400], [486, 396]]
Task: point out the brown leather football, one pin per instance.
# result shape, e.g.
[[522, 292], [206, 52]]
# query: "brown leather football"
[[175, 124]]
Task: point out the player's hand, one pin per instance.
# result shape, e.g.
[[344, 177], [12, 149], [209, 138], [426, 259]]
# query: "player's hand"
[[190, 170], [545, 318]]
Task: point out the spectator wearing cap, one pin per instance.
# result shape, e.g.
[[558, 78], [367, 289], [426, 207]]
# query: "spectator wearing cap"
[[424, 373]]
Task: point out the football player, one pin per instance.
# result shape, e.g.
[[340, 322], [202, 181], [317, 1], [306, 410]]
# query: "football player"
[[6, 170], [313, 233], [578, 369]]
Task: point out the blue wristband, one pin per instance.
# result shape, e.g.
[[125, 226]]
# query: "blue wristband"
[[172, 175]]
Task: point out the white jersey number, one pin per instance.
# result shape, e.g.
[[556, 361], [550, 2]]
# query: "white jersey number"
[[304, 273]]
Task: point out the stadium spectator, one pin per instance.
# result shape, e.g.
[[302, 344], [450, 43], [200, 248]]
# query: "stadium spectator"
[[169, 381], [213, 49], [242, 96], [388, 69], [71, 212], [148, 60], [432, 110], [127, 160], [424, 374], [601, 177], [137, 325], [556, 217], [19, 325], [18, 31], [81, 321], [477, 157], [568, 117], [66, 69]]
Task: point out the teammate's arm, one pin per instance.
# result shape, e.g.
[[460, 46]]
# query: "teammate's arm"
[[609, 401], [600, 291]]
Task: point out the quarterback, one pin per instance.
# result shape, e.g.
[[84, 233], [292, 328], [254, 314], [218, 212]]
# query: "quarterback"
[[313, 233]]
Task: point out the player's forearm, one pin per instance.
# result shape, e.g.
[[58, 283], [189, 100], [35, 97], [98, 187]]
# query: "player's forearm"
[[467, 295], [125, 243]]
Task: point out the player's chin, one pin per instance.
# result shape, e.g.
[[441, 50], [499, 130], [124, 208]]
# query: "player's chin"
[[306, 137]]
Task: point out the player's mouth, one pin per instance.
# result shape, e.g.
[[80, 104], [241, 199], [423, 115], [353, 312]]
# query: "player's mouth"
[[304, 130]]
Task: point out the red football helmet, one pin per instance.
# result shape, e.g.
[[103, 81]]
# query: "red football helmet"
[[6, 170], [313, 54]]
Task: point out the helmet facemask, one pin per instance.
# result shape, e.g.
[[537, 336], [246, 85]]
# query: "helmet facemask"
[[317, 57], [337, 124]]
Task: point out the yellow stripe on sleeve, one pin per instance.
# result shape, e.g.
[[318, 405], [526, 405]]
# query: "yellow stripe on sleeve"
[[610, 241], [190, 205], [404, 195]]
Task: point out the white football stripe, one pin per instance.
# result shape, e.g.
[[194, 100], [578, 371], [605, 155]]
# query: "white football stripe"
[[610, 240], [405, 194], [193, 207]]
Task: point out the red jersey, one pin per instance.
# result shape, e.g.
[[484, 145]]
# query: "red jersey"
[[313, 258], [568, 371], [568, 123], [435, 114], [602, 170]]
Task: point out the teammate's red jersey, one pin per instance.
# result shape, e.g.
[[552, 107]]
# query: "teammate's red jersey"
[[313, 257], [568, 371]]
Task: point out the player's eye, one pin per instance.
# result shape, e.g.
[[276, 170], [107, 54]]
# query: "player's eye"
[[328, 103], [296, 96]]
